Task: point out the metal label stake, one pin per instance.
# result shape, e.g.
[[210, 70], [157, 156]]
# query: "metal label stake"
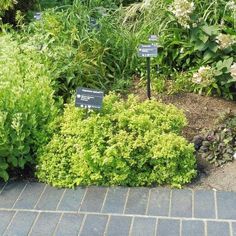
[[148, 51], [149, 77]]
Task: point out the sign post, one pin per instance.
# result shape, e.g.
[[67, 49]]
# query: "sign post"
[[148, 51], [149, 78]]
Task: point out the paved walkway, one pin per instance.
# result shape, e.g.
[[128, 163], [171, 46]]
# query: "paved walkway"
[[28, 208]]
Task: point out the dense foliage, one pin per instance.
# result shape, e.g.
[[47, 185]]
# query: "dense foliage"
[[6, 5], [27, 107], [93, 43], [82, 47], [197, 41], [127, 143]]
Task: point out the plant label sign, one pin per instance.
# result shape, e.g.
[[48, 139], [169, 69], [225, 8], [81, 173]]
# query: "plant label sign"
[[89, 98], [153, 38], [148, 51], [38, 16], [94, 25]]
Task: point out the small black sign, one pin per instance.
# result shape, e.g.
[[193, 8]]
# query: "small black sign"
[[89, 98], [38, 16], [148, 51], [153, 38], [94, 25]]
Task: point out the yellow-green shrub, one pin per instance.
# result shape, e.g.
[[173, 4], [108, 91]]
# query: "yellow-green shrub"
[[127, 143], [26, 106]]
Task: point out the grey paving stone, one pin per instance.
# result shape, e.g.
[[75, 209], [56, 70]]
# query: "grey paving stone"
[[69, 225], [143, 226], [94, 225], [168, 227], [137, 201], [204, 204], [50, 198], [45, 224], [93, 200], [10, 193], [21, 224], [218, 228], [5, 218], [159, 202], [193, 228], [115, 200], [234, 229], [30, 196], [119, 226], [181, 203], [71, 200], [226, 205]]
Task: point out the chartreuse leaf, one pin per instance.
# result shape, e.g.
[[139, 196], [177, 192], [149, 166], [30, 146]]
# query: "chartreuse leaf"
[[27, 106]]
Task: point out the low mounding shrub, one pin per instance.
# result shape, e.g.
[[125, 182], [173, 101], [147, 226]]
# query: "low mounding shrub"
[[127, 143], [26, 107]]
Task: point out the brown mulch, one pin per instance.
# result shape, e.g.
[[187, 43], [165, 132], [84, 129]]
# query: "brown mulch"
[[201, 111]]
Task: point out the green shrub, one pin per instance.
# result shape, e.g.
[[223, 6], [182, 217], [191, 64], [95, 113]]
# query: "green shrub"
[[6, 5], [127, 143], [202, 36], [12, 10], [26, 106]]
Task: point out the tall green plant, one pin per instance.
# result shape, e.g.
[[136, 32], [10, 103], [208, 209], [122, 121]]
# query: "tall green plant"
[[202, 35], [79, 52]]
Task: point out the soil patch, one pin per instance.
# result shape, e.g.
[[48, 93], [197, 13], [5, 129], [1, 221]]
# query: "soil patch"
[[202, 113]]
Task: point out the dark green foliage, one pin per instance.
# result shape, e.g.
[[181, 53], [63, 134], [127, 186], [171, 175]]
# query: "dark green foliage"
[[78, 53], [44, 4], [127, 143], [22, 6]]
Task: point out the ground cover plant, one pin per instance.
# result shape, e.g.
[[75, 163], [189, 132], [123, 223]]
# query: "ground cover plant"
[[127, 143], [218, 145]]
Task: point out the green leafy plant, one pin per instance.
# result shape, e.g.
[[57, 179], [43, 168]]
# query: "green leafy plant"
[[6, 5], [127, 143], [83, 46], [27, 107], [201, 36]]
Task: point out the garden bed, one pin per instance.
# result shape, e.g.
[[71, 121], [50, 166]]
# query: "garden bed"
[[202, 113], [128, 142]]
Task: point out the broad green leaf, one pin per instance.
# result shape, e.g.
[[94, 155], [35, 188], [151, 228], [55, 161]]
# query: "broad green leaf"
[[4, 175], [210, 30]]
